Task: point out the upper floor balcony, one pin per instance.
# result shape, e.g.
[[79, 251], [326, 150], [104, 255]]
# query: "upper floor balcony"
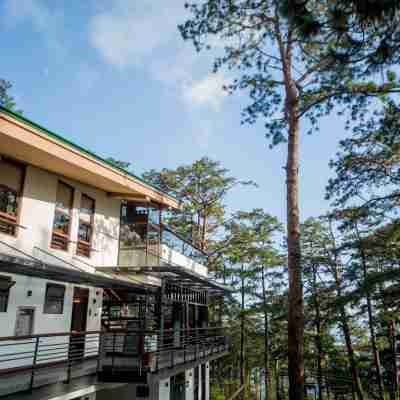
[[145, 242]]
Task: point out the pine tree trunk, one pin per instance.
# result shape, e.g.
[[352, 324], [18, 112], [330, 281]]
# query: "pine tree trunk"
[[347, 337], [344, 322], [277, 383], [375, 351], [242, 377], [296, 312], [318, 340], [395, 383], [267, 375]]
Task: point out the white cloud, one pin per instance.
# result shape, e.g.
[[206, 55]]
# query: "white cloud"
[[144, 34], [128, 32], [206, 92]]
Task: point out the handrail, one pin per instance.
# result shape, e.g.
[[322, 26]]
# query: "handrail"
[[119, 330], [40, 335], [114, 351], [179, 236]]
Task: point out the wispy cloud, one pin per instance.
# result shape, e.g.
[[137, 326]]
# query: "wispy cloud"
[[128, 32], [145, 35], [206, 92]]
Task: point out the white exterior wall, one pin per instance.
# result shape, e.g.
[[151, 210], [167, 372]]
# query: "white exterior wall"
[[189, 381], [45, 323], [208, 381], [37, 215], [164, 389], [176, 258]]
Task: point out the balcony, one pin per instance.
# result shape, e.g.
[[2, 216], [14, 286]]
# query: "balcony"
[[28, 362], [145, 241]]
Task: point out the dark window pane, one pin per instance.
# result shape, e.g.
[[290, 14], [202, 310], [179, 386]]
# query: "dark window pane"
[[4, 300], [54, 300]]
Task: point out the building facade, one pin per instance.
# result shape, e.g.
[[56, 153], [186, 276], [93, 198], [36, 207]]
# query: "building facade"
[[92, 283]]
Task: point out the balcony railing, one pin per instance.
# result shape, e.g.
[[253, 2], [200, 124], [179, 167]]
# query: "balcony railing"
[[155, 243], [124, 355], [153, 351]]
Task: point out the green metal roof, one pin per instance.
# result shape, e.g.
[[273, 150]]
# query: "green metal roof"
[[81, 149]]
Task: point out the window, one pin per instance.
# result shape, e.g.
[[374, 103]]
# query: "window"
[[11, 177], [54, 300], [62, 217], [5, 285], [85, 231]]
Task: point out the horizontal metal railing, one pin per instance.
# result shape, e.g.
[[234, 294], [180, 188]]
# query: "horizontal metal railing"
[[155, 350], [158, 235], [113, 351], [47, 351]]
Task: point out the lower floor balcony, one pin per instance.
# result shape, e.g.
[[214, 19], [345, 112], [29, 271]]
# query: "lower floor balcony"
[[136, 357]]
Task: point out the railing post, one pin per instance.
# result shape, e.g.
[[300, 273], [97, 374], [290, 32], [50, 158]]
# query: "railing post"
[[70, 347], [35, 354], [113, 355], [99, 352]]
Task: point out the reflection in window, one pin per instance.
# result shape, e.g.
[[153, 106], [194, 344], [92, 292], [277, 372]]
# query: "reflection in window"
[[85, 230], [62, 217], [54, 300], [11, 176]]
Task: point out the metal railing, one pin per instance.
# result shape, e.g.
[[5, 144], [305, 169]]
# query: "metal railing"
[[63, 354], [50, 352], [155, 350], [136, 250]]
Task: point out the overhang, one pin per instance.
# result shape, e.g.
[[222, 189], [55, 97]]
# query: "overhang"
[[174, 274], [30, 267], [24, 140]]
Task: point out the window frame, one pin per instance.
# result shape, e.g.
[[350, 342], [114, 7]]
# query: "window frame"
[[8, 219], [7, 299], [57, 211], [86, 244], [45, 303]]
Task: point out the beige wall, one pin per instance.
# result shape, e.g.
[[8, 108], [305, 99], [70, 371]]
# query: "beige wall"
[[37, 213]]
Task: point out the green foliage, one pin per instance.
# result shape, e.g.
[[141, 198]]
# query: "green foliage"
[[119, 164], [202, 188], [378, 21], [271, 56], [6, 100]]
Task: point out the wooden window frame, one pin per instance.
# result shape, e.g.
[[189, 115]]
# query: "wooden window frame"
[[50, 284], [57, 233], [9, 219], [86, 245]]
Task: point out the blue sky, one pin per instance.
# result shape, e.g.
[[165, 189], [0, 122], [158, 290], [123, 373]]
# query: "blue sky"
[[115, 76]]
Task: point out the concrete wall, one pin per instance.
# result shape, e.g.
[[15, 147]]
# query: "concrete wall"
[[189, 390], [164, 389], [176, 258], [37, 214], [45, 323]]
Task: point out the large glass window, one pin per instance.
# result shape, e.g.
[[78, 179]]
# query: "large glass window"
[[62, 217], [54, 300], [11, 176], [85, 231]]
